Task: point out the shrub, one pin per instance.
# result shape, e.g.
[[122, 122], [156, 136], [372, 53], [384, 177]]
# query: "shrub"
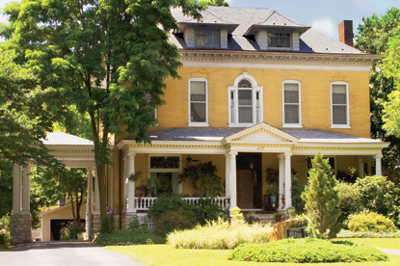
[[137, 233], [176, 220], [321, 197], [380, 195], [350, 198], [350, 234], [207, 210], [371, 222], [307, 250], [220, 235], [107, 222], [71, 230], [164, 205], [296, 190]]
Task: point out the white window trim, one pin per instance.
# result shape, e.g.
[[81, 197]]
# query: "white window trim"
[[347, 125], [198, 124], [207, 46], [255, 88], [282, 48], [165, 170], [292, 125]]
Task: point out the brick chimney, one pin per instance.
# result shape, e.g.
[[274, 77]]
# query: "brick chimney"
[[346, 32]]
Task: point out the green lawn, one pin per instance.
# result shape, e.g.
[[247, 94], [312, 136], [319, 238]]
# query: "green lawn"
[[165, 255], [2, 248], [391, 243]]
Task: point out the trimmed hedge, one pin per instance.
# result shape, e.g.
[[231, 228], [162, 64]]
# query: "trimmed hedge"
[[307, 250], [371, 222], [350, 234]]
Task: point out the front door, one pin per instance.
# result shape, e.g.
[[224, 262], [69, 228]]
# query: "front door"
[[245, 189]]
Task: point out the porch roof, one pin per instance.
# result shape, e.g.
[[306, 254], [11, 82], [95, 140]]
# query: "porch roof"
[[218, 134]]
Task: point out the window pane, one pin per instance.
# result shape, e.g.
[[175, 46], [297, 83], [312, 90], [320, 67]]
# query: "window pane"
[[245, 97], [232, 114], [197, 91], [244, 83], [164, 184], [339, 114], [339, 94], [279, 40], [207, 38], [245, 115], [164, 162], [198, 112], [291, 93], [257, 114], [147, 97], [292, 114]]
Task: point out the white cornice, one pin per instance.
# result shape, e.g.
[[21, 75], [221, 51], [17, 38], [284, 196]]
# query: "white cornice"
[[273, 60]]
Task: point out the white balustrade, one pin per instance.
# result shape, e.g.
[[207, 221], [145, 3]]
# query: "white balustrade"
[[144, 203]]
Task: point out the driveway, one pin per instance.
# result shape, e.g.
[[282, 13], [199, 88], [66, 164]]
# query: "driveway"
[[63, 254]]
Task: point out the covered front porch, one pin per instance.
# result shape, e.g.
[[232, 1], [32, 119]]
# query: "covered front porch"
[[242, 157]]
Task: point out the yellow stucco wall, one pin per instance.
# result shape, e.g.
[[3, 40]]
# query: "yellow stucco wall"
[[315, 97], [58, 214]]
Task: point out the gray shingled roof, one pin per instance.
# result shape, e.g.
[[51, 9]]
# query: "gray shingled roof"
[[310, 42], [217, 134]]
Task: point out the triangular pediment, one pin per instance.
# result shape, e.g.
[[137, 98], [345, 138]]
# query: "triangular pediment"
[[261, 133]]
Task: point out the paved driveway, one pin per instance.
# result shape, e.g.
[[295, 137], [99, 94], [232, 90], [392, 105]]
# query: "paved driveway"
[[63, 254]]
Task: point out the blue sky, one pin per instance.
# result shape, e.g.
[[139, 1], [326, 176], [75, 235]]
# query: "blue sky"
[[322, 15]]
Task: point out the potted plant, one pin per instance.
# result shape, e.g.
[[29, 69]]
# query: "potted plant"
[[278, 216], [142, 189], [273, 194]]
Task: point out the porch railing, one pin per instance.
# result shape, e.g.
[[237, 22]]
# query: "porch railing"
[[144, 203]]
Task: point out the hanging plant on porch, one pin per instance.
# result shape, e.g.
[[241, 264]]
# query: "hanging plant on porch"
[[203, 179], [272, 176], [143, 189]]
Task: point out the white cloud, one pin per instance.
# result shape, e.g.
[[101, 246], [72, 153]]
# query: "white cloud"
[[325, 26]]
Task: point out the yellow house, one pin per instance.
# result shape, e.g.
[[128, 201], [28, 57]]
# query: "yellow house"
[[258, 91]]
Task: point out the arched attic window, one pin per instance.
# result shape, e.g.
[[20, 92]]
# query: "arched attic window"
[[245, 102]]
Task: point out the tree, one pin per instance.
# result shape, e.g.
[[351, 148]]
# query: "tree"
[[373, 37], [215, 2], [102, 56], [321, 197]]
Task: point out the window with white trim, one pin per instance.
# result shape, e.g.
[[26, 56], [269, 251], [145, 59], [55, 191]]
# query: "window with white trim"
[[207, 38], [291, 103], [245, 102], [198, 105], [279, 40], [164, 175], [340, 104]]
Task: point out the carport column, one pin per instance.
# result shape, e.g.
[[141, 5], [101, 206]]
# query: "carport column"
[[20, 227], [378, 165], [131, 211], [232, 181], [227, 177], [281, 179], [288, 181], [89, 204], [360, 168]]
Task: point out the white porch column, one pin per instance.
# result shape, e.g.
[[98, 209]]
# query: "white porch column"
[[131, 184], [96, 193], [16, 189], [360, 168], [89, 203], [281, 179], [288, 181], [26, 190], [378, 164], [227, 177], [232, 181]]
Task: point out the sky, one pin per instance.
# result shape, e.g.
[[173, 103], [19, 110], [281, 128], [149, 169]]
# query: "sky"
[[323, 16]]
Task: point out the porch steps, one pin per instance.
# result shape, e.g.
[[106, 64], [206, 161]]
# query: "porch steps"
[[266, 218]]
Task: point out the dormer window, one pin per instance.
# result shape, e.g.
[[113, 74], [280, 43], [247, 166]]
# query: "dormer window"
[[279, 40], [207, 38]]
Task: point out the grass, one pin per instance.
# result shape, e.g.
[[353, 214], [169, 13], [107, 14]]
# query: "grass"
[[390, 243], [154, 255]]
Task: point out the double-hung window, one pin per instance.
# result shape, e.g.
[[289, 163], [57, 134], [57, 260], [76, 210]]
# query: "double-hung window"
[[340, 105], [245, 102], [198, 106], [291, 103]]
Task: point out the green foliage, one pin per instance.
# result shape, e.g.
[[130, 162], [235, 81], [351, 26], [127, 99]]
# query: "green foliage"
[[220, 234], [322, 200], [373, 37], [206, 209], [215, 2], [350, 198], [71, 230], [350, 234], [101, 58], [177, 220], [164, 205], [137, 233], [307, 250], [203, 179], [272, 176], [379, 195], [296, 190], [371, 222], [107, 224], [6, 184]]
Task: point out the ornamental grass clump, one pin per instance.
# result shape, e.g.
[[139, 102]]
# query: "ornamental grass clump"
[[307, 250], [220, 234]]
